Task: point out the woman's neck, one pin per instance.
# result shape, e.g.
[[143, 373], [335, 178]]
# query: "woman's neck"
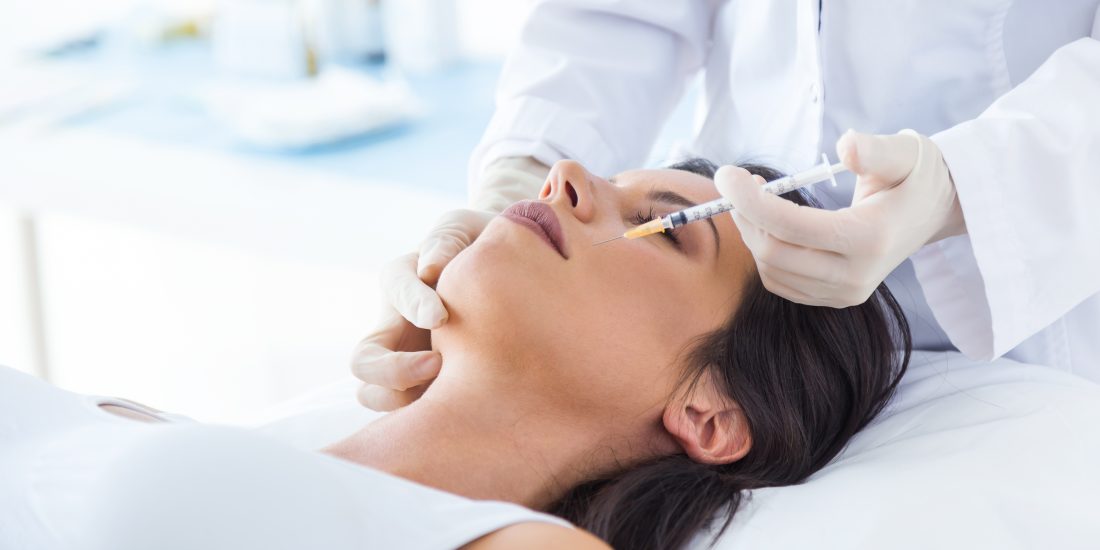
[[468, 437]]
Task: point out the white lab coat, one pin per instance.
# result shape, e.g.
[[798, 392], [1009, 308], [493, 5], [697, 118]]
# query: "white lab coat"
[[1009, 90]]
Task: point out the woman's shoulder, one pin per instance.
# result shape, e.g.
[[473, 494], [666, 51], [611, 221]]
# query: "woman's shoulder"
[[538, 536]]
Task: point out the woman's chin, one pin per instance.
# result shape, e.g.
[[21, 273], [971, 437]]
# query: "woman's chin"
[[504, 302], [498, 266], [489, 283]]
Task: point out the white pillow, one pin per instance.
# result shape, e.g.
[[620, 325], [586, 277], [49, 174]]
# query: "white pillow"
[[968, 455]]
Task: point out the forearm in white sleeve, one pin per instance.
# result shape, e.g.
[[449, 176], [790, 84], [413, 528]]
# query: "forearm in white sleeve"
[[594, 80], [1027, 172]]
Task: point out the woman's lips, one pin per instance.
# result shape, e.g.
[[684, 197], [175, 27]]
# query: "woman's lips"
[[540, 218]]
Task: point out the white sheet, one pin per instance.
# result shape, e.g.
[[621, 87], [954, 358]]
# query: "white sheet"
[[75, 477]]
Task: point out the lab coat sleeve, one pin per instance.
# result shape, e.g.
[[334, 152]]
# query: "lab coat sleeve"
[[594, 80], [1027, 172]]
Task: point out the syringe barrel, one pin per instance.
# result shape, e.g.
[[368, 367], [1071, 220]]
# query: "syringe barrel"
[[698, 212], [819, 173], [785, 184]]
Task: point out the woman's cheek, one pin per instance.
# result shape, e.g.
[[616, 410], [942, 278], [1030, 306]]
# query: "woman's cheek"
[[470, 281], [653, 313]]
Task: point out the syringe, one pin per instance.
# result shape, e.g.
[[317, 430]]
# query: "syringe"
[[819, 173]]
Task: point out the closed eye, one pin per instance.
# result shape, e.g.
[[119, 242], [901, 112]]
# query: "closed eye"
[[672, 235], [671, 197]]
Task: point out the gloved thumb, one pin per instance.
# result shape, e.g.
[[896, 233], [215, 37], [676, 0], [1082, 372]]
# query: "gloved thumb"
[[738, 186], [455, 231], [413, 299], [435, 256], [880, 161]]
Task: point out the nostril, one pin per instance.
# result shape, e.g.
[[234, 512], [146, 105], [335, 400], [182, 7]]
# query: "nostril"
[[572, 193], [545, 192]]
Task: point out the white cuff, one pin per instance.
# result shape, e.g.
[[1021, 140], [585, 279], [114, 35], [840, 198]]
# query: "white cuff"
[[955, 292], [534, 127], [972, 282]]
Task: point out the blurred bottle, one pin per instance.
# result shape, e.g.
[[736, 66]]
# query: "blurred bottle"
[[261, 38], [293, 38], [346, 31], [421, 35]]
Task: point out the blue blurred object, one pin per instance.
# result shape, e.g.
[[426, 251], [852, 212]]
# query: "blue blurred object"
[[430, 152]]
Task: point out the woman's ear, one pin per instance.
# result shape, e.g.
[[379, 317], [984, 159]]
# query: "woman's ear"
[[709, 426]]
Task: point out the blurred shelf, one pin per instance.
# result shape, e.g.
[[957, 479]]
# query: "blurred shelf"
[[429, 152]]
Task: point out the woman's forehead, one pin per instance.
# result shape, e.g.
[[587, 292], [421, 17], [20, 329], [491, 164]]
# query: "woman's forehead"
[[689, 184]]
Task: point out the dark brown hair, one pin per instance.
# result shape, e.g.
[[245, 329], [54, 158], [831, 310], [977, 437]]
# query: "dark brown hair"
[[807, 378]]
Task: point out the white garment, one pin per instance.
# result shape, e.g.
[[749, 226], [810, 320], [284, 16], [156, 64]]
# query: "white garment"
[[1008, 89], [77, 477]]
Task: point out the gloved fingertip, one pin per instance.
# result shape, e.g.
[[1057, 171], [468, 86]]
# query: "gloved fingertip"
[[428, 272], [432, 262], [426, 255], [430, 314], [888, 157], [728, 172], [869, 146], [429, 365], [849, 136], [736, 185], [851, 151]]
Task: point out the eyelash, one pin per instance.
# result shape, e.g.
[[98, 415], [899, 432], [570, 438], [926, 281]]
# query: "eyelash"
[[671, 235]]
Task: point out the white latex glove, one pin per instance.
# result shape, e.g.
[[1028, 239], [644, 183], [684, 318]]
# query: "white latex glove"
[[395, 361], [904, 198]]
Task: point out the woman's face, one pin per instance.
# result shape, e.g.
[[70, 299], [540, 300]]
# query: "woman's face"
[[602, 329]]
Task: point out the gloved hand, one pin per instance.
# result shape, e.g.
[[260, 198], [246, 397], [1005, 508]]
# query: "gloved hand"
[[904, 198], [395, 361]]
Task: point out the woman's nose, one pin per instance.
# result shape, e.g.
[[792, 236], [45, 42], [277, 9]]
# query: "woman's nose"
[[570, 184]]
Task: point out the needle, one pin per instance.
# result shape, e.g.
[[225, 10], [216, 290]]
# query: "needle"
[[607, 240]]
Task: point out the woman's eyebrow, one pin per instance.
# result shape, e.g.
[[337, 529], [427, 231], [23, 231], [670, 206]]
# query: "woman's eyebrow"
[[671, 197]]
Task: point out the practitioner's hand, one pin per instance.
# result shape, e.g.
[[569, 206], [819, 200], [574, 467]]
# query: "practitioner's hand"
[[904, 198], [395, 361]]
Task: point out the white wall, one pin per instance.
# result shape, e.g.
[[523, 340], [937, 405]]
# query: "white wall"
[[488, 28], [215, 289], [206, 330], [16, 342]]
